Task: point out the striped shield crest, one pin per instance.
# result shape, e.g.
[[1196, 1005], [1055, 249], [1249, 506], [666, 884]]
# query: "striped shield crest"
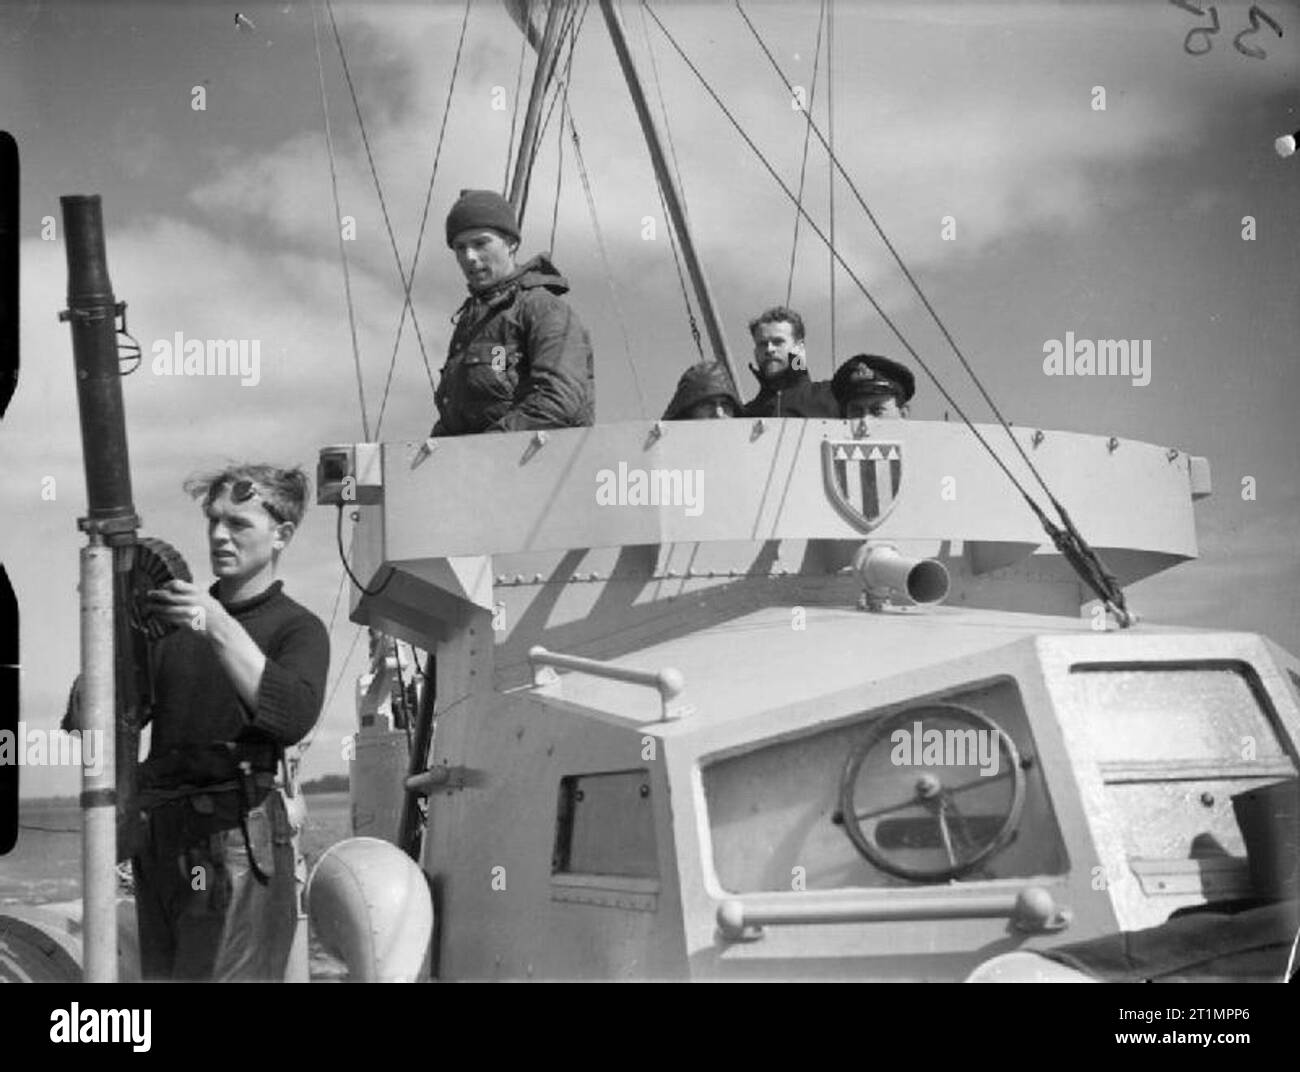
[[862, 479]]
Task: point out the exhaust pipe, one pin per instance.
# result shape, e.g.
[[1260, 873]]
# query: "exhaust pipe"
[[919, 580]]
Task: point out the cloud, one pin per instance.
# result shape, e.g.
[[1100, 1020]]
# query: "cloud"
[[1008, 152]]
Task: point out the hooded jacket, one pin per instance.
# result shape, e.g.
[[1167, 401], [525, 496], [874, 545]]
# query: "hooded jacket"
[[519, 358], [792, 393], [709, 379]]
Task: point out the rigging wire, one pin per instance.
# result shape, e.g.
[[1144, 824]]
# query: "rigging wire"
[[822, 235], [334, 611], [407, 284], [663, 204], [681, 278], [890, 246], [571, 28], [559, 169], [550, 83], [1071, 543], [663, 108], [562, 92], [424, 219], [1089, 569], [803, 164], [608, 271], [338, 227], [561, 85], [383, 204], [306, 742], [519, 82], [830, 150]]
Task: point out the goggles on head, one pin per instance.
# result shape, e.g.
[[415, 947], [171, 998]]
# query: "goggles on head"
[[241, 491]]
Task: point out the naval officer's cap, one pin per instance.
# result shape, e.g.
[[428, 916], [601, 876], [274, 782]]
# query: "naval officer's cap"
[[867, 375]]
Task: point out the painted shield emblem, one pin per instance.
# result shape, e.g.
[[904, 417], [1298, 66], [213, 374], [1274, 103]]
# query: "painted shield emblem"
[[863, 478]]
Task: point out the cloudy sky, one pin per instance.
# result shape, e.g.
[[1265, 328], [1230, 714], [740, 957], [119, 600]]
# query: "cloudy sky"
[[1125, 222]]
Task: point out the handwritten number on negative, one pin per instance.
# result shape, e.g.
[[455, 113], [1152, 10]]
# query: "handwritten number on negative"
[[1208, 31], [1249, 50], [1257, 15]]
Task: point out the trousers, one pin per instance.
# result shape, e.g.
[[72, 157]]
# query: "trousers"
[[202, 913]]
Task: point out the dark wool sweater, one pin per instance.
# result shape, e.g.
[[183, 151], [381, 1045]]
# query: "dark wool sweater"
[[196, 703], [792, 394]]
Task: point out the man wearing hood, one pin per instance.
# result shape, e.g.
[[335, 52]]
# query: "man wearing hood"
[[785, 388], [705, 391], [519, 357]]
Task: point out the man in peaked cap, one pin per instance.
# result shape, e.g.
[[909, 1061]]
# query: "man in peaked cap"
[[704, 391], [519, 357], [870, 386]]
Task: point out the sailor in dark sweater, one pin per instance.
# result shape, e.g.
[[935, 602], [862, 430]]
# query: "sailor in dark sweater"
[[785, 388], [240, 680]]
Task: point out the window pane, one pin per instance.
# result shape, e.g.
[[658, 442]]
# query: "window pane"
[[1172, 714]]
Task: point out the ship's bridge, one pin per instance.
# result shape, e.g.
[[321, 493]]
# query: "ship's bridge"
[[596, 540]]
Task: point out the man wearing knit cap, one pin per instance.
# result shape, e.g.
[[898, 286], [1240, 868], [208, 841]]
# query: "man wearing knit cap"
[[870, 386], [705, 391], [519, 357]]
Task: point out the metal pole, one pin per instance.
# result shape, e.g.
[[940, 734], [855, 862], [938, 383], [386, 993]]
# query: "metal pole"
[[672, 195], [108, 652], [528, 139], [830, 150], [298, 968], [98, 791]]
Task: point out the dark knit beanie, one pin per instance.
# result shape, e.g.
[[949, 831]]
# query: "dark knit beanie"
[[481, 208]]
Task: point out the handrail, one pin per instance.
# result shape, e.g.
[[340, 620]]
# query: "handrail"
[[668, 682], [1030, 908]]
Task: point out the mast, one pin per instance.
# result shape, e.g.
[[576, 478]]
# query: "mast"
[[528, 139], [672, 196]]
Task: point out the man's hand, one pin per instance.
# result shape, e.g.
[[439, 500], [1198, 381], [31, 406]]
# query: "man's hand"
[[184, 604]]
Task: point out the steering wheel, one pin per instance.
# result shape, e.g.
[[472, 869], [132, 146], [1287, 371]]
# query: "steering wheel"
[[907, 774]]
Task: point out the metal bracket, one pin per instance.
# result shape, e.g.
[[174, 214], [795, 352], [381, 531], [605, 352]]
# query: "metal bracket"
[[109, 526], [423, 452], [443, 778]]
